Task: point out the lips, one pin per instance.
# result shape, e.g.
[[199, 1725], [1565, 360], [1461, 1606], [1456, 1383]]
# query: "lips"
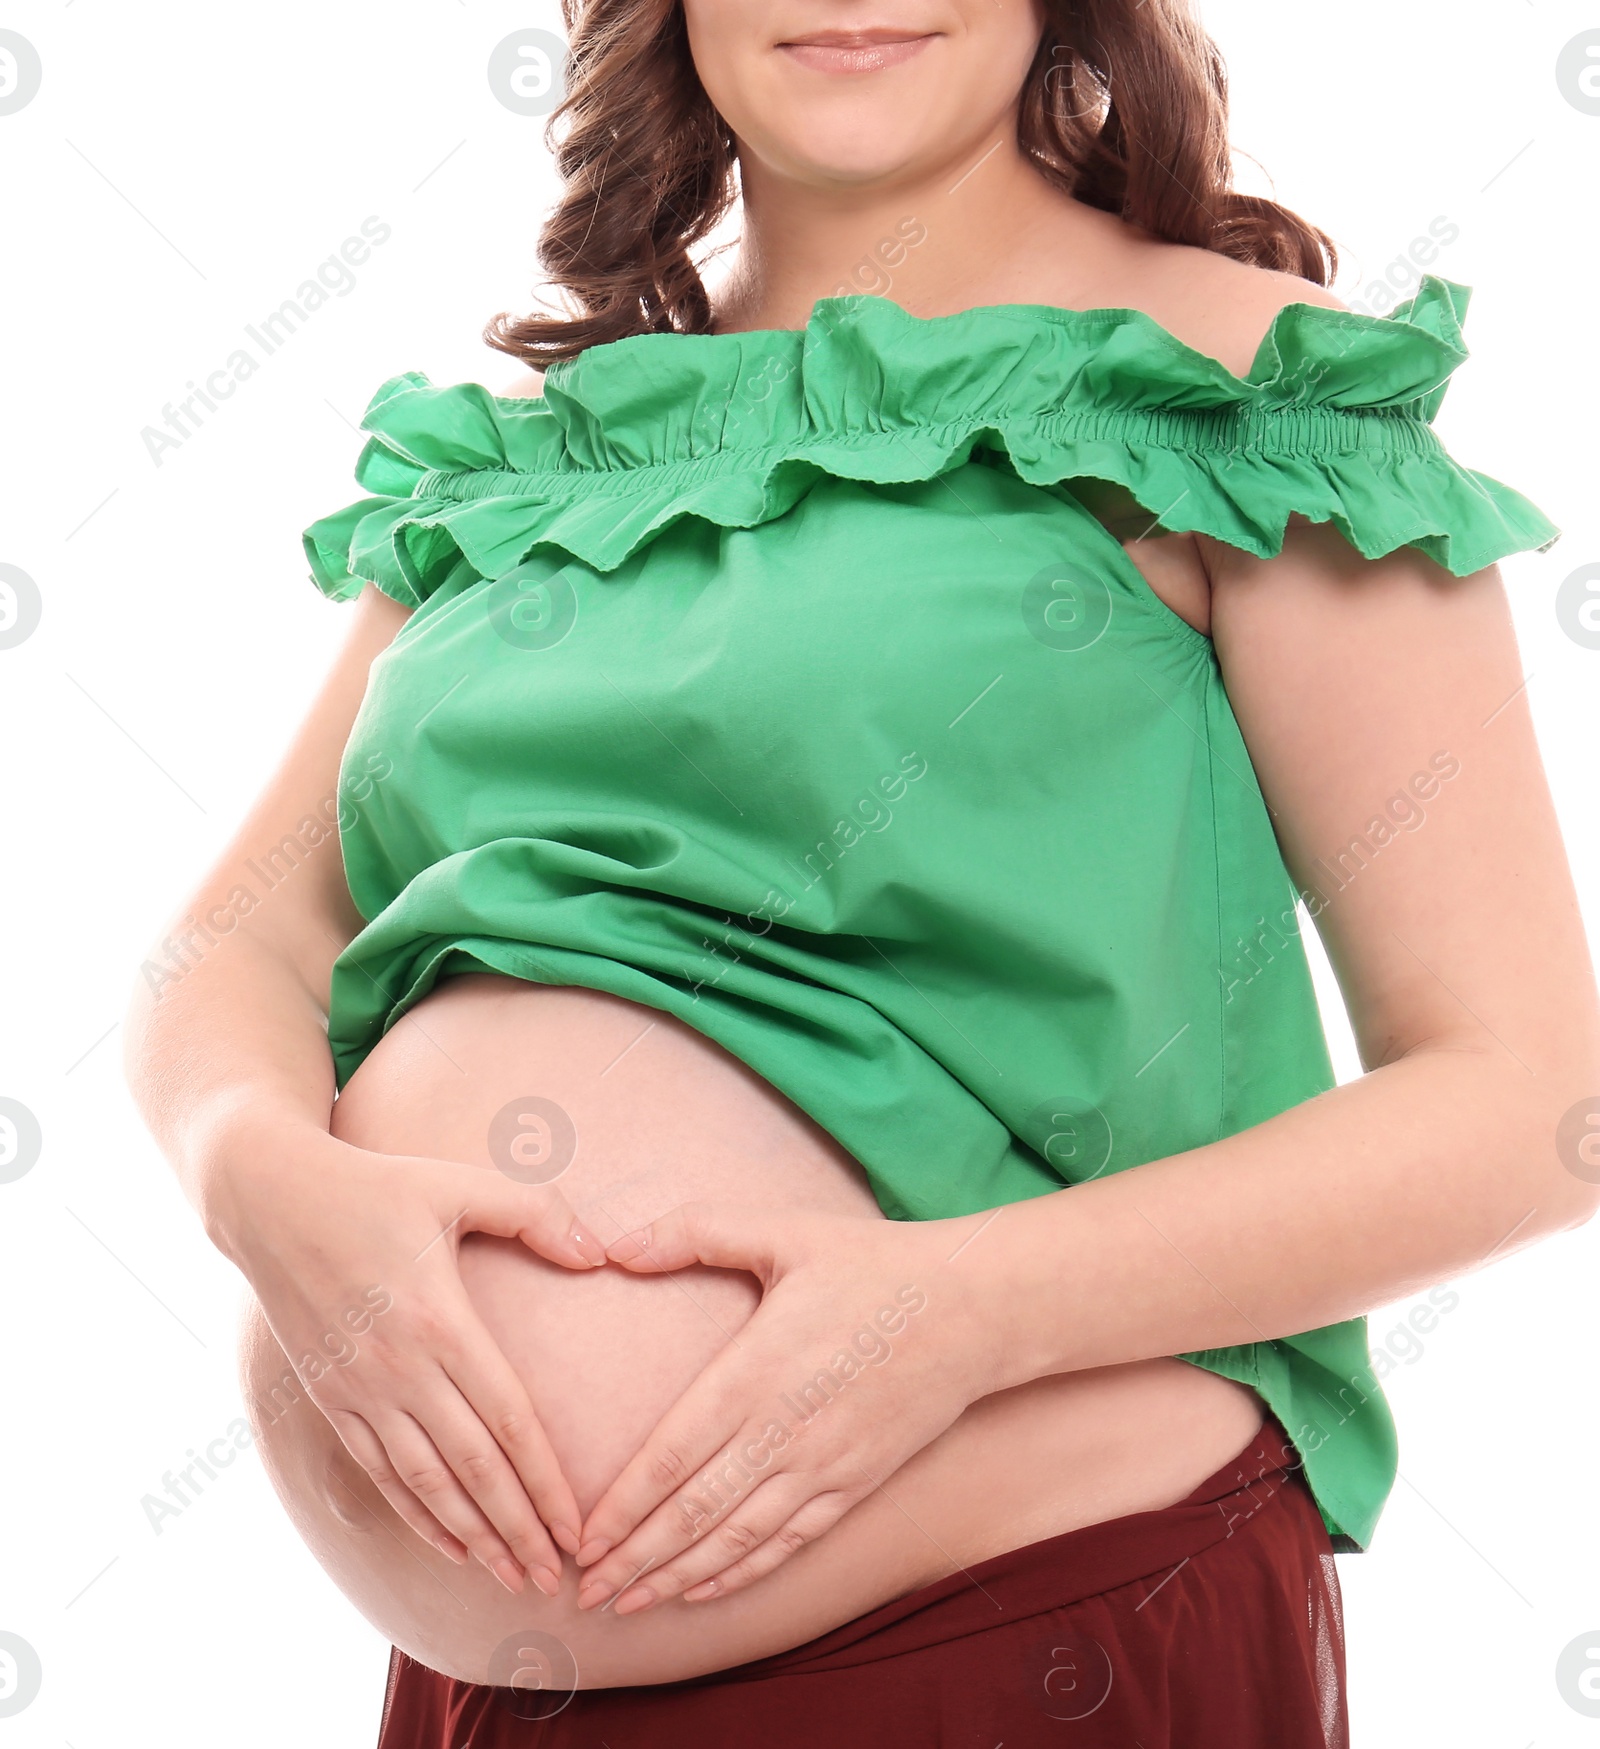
[[853, 51]]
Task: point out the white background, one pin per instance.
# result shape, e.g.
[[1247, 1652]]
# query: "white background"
[[180, 173]]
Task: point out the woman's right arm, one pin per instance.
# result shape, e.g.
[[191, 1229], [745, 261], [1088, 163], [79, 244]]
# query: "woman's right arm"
[[227, 1058]]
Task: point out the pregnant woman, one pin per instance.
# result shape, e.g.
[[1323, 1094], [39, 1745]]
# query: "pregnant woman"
[[756, 1054]]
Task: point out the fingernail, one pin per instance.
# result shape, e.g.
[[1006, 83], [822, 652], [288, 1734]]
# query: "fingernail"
[[591, 1552], [630, 1602], [629, 1246], [508, 1573], [566, 1538], [707, 1588], [589, 1249], [596, 1591], [547, 1581], [453, 1551]]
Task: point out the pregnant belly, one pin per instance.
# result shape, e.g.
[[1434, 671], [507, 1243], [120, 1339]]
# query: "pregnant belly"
[[641, 1112]]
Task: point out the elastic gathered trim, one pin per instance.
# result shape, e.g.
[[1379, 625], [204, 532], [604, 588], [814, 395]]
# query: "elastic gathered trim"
[[1210, 434]]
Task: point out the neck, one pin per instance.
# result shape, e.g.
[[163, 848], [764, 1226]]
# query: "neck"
[[982, 228]]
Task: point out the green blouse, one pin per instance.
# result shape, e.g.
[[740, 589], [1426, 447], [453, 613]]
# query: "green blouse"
[[786, 682]]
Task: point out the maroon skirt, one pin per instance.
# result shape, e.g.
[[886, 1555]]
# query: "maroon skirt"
[[1211, 1624]]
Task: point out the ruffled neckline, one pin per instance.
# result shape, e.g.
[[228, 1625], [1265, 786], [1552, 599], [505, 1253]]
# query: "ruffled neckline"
[[1333, 420], [1414, 348], [863, 365]]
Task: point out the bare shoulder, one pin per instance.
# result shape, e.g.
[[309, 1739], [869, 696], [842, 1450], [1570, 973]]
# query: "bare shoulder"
[[1217, 305], [1222, 308], [525, 387]]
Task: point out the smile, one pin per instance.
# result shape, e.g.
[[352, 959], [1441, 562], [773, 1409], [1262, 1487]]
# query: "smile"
[[855, 51]]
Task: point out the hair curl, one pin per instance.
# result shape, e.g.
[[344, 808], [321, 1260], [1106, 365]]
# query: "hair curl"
[[1125, 107]]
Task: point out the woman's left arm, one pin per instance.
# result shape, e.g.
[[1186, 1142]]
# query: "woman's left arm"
[[1474, 1131]]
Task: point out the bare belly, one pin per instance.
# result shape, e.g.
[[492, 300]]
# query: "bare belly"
[[662, 1114]]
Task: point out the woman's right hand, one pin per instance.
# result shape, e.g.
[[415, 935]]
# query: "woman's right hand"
[[353, 1256]]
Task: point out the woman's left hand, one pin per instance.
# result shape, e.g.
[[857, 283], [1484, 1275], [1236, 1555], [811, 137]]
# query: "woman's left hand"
[[867, 1344]]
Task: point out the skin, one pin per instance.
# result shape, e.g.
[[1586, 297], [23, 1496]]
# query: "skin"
[[662, 1113], [1461, 958]]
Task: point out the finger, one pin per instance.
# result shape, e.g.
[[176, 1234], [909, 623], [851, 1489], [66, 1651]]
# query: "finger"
[[692, 1433], [819, 1514], [682, 1518], [526, 1492], [747, 1525], [539, 1215], [724, 1235], [484, 1471], [415, 1464], [366, 1448]]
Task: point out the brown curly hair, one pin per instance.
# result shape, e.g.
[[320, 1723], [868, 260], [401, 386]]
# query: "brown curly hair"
[[1125, 107]]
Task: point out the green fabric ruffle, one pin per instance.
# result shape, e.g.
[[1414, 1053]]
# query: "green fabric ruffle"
[[1333, 422]]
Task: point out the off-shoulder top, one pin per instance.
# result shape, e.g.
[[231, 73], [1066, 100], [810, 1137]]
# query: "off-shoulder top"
[[785, 682]]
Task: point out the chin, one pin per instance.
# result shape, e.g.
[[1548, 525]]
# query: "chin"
[[832, 146]]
